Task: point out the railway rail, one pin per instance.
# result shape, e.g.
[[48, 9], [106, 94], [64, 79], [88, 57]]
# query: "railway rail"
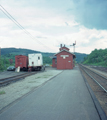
[[98, 84], [98, 78], [103, 69], [6, 81]]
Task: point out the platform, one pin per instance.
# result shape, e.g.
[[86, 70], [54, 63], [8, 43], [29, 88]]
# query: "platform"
[[65, 97]]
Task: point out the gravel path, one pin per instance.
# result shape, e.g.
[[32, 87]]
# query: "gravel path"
[[16, 90]]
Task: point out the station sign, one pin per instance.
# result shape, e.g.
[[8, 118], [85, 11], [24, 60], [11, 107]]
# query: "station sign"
[[64, 56]]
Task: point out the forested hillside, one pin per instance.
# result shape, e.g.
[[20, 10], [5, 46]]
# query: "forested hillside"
[[10, 53], [20, 51], [97, 57], [80, 57]]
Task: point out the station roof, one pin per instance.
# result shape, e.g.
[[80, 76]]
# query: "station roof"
[[66, 51]]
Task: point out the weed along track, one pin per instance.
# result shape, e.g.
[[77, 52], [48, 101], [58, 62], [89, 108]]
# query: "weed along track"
[[98, 84]]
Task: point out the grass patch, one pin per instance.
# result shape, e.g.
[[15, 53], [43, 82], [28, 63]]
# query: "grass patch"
[[37, 77], [2, 92], [46, 76], [32, 82]]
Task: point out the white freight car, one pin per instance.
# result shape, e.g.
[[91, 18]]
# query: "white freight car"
[[35, 61]]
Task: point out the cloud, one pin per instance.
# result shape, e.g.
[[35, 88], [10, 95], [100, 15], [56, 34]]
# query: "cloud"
[[86, 39], [90, 13], [53, 23]]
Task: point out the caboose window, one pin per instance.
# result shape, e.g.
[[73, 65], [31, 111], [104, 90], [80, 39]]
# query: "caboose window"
[[38, 58]]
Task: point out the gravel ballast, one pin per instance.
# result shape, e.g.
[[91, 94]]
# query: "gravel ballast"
[[18, 89]]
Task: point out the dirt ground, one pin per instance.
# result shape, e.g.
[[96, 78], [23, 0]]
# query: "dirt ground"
[[18, 89]]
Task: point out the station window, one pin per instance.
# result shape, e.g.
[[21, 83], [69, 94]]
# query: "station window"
[[38, 58]]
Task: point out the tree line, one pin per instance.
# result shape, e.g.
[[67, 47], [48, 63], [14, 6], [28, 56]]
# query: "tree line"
[[5, 61], [97, 57]]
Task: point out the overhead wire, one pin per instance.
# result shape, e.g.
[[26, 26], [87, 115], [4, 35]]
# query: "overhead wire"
[[19, 25]]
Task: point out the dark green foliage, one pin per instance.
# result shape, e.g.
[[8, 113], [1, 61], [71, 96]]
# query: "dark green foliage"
[[80, 57], [4, 61], [97, 57], [1, 64], [47, 60], [16, 51]]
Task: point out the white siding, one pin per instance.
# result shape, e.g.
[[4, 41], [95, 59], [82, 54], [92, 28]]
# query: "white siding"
[[35, 60]]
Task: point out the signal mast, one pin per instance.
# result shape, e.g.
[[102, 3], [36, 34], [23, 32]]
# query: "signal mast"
[[74, 46]]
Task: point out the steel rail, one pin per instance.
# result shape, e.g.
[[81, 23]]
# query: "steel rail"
[[95, 72], [94, 80], [14, 78]]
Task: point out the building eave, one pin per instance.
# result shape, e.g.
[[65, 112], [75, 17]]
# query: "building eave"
[[66, 51]]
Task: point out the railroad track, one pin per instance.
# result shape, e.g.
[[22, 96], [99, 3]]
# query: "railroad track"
[[103, 69], [98, 84], [6, 81], [98, 78]]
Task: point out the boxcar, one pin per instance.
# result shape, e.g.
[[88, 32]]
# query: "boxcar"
[[21, 61], [35, 61]]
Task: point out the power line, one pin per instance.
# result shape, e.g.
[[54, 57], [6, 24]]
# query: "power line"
[[9, 17], [19, 25]]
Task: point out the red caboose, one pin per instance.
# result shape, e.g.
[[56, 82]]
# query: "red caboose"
[[21, 61]]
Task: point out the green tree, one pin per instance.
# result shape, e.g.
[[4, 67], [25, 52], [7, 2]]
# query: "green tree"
[[47, 60], [1, 64], [97, 57]]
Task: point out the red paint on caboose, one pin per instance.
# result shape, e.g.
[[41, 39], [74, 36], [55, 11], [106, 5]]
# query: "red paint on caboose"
[[21, 61]]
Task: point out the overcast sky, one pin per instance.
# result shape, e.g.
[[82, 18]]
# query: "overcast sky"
[[49, 23]]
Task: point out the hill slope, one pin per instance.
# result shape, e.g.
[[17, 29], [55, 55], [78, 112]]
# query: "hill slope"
[[97, 57], [80, 57], [20, 51], [11, 52]]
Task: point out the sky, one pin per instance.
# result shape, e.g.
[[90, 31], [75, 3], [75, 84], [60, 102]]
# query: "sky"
[[45, 24]]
